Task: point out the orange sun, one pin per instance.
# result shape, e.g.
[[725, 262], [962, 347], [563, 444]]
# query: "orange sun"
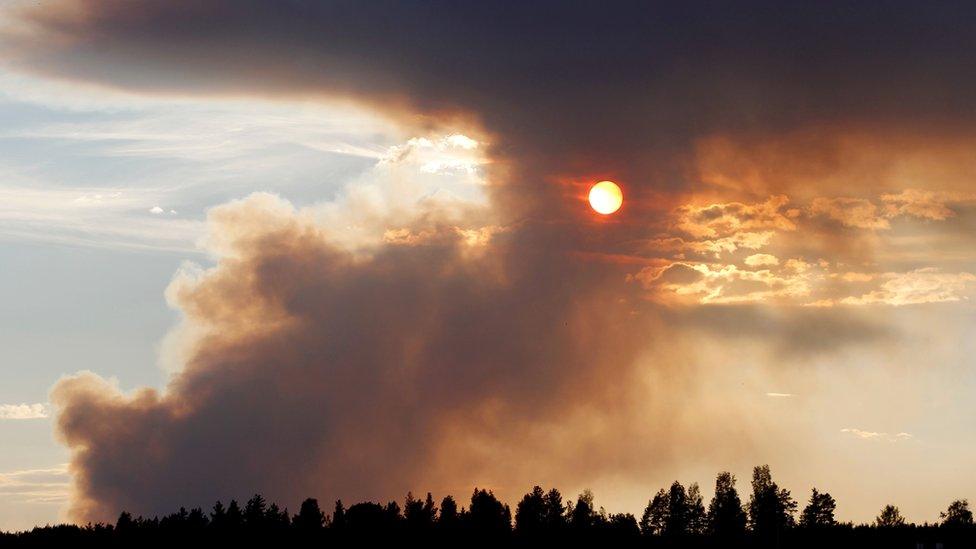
[[606, 197]]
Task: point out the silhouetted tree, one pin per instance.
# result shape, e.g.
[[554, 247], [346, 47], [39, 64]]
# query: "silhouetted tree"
[[645, 520], [530, 513], [125, 523], [371, 519], [555, 511], [890, 517], [696, 510], [339, 515], [623, 527], [726, 519], [393, 515], [310, 517], [957, 515], [487, 515], [582, 515], [669, 522], [448, 518], [655, 516], [412, 506], [429, 510], [218, 516], [819, 513], [254, 512], [197, 520], [419, 515], [770, 508], [276, 519], [175, 523], [676, 523], [234, 518]]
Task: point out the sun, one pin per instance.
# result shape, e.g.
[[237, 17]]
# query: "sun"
[[606, 197]]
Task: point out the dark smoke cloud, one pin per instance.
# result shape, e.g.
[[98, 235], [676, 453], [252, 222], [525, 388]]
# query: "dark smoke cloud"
[[315, 371], [566, 87]]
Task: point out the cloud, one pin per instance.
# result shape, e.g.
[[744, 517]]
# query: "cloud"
[[857, 277], [916, 203], [717, 220], [799, 283], [924, 204], [713, 247], [780, 395], [51, 485], [871, 435], [862, 213], [101, 217], [927, 285], [859, 213], [707, 266], [722, 284], [455, 153], [23, 411], [761, 260]]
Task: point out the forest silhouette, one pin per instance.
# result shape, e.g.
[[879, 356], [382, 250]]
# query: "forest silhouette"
[[674, 517]]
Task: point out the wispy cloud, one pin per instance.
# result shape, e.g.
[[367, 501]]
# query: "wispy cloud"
[[23, 411], [872, 435], [862, 213], [858, 213], [103, 217], [168, 159], [928, 285], [780, 395], [50, 485], [142, 170]]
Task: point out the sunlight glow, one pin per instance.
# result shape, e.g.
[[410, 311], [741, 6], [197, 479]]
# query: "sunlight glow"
[[606, 197]]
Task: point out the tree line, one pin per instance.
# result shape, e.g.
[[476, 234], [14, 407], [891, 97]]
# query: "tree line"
[[674, 517]]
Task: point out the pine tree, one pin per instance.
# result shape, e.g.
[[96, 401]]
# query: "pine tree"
[[771, 508], [310, 517], [254, 512], [555, 511], [676, 523], [655, 516], [726, 519], [448, 518], [339, 516], [819, 513], [696, 510], [530, 513], [890, 517]]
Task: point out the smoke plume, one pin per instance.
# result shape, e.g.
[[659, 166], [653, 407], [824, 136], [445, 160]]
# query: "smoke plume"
[[549, 348]]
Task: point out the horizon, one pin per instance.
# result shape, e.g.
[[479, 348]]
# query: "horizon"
[[598, 510]]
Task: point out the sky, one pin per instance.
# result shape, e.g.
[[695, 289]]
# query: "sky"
[[344, 251]]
